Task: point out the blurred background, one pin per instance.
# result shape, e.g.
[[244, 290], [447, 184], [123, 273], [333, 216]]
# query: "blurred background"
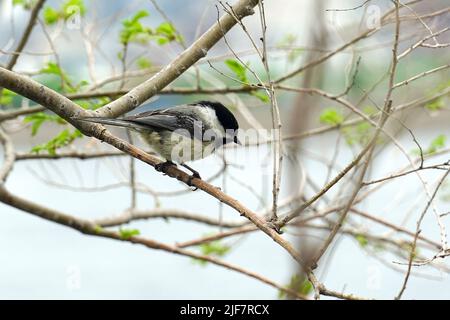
[[42, 260]]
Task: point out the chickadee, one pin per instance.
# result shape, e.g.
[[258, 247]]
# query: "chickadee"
[[181, 133]]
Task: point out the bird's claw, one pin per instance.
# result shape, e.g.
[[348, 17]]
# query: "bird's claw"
[[193, 176], [161, 167], [196, 175]]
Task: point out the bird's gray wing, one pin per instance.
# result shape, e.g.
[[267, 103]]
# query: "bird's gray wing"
[[171, 120]]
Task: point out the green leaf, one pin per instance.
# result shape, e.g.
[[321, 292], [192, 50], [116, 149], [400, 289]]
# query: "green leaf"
[[26, 4], [435, 105], [51, 16], [36, 125], [261, 96], [53, 69], [167, 29], [79, 85], [6, 97], [98, 229], [64, 138], [437, 143], [162, 40], [359, 133], [167, 33], [128, 233], [239, 70], [68, 9], [214, 248], [93, 104], [369, 110], [71, 7], [363, 132], [362, 240], [37, 119], [143, 63], [305, 287], [331, 116], [139, 15], [133, 30], [299, 284]]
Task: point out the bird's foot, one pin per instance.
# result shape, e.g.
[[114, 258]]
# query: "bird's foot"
[[161, 167], [194, 175]]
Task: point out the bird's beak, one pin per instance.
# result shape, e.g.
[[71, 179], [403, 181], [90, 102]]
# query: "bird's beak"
[[236, 140]]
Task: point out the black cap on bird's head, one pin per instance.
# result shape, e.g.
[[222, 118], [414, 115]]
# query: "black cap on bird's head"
[[226, 119]]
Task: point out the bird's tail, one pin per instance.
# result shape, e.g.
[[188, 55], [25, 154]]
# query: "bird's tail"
[[110, 121]]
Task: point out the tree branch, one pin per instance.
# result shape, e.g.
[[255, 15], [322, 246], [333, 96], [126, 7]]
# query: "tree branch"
[[90, 228], [26, 34], [180, 64]]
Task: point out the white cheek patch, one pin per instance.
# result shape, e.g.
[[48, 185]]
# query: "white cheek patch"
[[211, 122]]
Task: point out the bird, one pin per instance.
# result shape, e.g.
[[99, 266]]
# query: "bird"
[[181, 133]]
